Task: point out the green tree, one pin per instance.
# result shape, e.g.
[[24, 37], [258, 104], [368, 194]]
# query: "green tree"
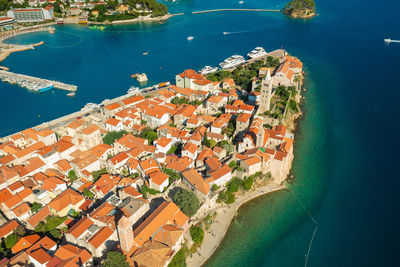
[[87, 193], [4, 5], [57, 8], [115, 259], [96, 174], [186, 201], [36, 207], [248, 183], [72, 176], [234, 185], [197, 234], [11, 240], [56, 233], [110, 137], [149, 134], [214, 187]]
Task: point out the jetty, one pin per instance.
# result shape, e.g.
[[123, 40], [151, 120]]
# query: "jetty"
[[15, 77], [236, 9]]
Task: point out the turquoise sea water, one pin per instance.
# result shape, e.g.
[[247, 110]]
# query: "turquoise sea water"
[[346, 147]]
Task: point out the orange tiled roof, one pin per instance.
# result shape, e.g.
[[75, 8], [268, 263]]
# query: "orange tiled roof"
[[100, 236], [8, 227], [166, 213], [24, 243], [195, 179]]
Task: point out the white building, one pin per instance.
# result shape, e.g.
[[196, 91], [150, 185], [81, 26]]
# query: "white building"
[[31, 14]]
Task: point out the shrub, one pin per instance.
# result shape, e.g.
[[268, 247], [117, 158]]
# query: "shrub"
[[36, 207], [115, 259], [234, 185], [96, 174], [197, 234], [248, 183], [179, 259]]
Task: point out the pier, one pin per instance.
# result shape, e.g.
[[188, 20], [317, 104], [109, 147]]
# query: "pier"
[[14, 77], [236, 9]]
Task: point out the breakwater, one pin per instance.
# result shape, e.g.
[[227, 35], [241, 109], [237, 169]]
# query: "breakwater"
[[236, 9], [15, 77]]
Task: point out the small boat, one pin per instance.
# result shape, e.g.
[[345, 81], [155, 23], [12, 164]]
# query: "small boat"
[[225, 33], [145, 53], [134, 75], [190, 38], [71, 94], [241, 2], [388, 40]]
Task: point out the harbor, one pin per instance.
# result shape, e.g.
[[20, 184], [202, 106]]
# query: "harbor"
[[34, 83]]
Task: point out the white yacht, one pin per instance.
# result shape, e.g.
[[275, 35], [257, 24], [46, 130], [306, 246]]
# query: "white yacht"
[[232, 61], [190, 38], [208, 70], [257, 52]]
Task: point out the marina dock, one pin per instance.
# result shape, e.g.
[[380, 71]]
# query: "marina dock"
[[21, 79]]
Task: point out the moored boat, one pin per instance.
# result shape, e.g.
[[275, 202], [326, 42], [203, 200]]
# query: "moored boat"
[[208, 70], [257, 52], [232, 61]]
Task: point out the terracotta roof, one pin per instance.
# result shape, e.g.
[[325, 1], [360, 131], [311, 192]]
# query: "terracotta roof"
[[45, 132], [219, 173], [120, 157], [112, 106], [66, 198], [45, 243], [74, 255], [252, 161], [24, 243], [180, 165], [213, 163], [75, 124], [40, 255], [132, 100], [243, 117], [113, 122], [80, 227], [39, 216], [21, 209], [166, 213], [90, 129], [29, 149], [8, 227], [192, 148], [195, 179], [100, 236], [153, 253], [158, 177]]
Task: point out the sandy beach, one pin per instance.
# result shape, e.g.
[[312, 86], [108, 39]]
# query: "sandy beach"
[[225, 213]]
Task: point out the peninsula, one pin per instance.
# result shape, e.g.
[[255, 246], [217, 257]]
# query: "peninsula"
[[153, 177], [300, 9]]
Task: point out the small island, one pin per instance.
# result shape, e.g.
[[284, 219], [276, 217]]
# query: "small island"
[[300, 9]]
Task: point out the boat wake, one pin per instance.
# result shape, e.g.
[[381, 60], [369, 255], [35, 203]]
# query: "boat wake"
[[67, 46]]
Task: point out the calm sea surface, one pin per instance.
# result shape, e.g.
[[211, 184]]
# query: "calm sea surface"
[[346, 148]]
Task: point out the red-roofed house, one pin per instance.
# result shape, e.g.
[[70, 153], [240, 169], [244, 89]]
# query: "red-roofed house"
[[221, 176]]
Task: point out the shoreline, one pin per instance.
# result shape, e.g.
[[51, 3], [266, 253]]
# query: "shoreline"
[[6, 53], [226, 214]]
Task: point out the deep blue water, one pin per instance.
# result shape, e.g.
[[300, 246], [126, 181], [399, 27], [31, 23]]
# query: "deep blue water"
[[346, 149]]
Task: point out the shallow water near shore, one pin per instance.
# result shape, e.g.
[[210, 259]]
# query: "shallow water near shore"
[[345, 150]]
